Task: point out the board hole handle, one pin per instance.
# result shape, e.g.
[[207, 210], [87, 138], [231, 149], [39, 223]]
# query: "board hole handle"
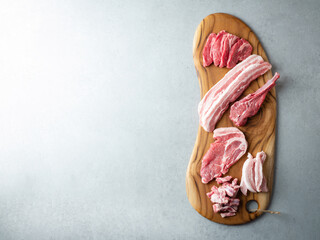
[[252, 206]]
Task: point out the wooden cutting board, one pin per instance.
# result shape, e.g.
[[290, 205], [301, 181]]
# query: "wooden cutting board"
[[260, 130]]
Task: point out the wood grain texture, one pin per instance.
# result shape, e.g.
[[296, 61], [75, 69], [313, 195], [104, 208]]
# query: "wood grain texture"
[[259, 130]]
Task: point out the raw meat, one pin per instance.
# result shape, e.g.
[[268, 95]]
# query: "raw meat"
[[227, 42], [233, 56], [228, 214], [223, 198], [230, 189], [228, 89], [207, 59], [252, 175], [224, 179], [247, 179], [239, 51], [225, 50], [216, 48], [247, 107], [229, 147], [244, 50]]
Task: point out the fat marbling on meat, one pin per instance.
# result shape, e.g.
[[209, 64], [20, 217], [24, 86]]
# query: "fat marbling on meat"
[[223, 197], [229, 146], [228, 89]]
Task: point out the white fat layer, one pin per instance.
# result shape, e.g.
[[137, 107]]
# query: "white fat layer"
[[218, 105], [247, 172], [217, 87], [226, 131], [243, 146], [203, 105], [232, 87]]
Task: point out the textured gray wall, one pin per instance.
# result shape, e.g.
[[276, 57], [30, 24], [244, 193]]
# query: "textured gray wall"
[[98, 118]]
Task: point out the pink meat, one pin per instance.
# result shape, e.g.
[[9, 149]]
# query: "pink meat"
[[224, 179], [228, 89], [227, 42], [260, 180], [207, 59], [244, 50], [214, 190], [229, 147], [225, 50], [220, 197], [234, 201], [239, 51], [235, 182], [227, 214], [216, 46], [233, 55], [247, 107], [214, 93], [247, 180], [223, 208], [252, 174], [230, 190], [224, 203], [217, 207], [220, 208]]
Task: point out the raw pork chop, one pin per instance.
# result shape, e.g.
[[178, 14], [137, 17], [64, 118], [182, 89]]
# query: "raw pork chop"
[[229, 147], [223, 198], [252, 175], [207, 59], [228, 89], [247, 107]]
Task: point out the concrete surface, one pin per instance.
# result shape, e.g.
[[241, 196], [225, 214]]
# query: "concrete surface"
[[98, 117]]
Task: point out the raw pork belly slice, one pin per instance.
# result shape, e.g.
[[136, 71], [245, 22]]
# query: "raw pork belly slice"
[[225, 50], [247, 107], [239, 51], [228, 89], [207, 59], [223, 198], [252, 175], [229, 147]]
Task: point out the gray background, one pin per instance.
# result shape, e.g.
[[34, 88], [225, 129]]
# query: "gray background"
[[98, 118]]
